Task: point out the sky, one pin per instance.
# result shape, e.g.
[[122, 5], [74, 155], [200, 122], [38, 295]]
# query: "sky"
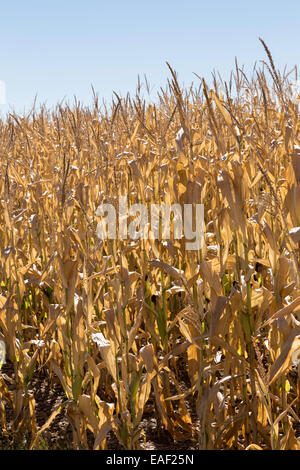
[[57, 49]]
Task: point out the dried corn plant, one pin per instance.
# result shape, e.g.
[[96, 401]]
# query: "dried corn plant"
[[206, 341]]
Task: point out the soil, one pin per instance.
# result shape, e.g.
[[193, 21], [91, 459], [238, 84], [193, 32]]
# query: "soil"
[[59, 436]]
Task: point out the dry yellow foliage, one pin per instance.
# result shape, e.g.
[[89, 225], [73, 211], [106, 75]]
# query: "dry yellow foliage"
[[206, 341]]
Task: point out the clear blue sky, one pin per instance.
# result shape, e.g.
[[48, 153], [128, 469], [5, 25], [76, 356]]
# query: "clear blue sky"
[[56, 49]]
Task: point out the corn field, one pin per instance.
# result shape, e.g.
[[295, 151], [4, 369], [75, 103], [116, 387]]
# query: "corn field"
[[204, 342]]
